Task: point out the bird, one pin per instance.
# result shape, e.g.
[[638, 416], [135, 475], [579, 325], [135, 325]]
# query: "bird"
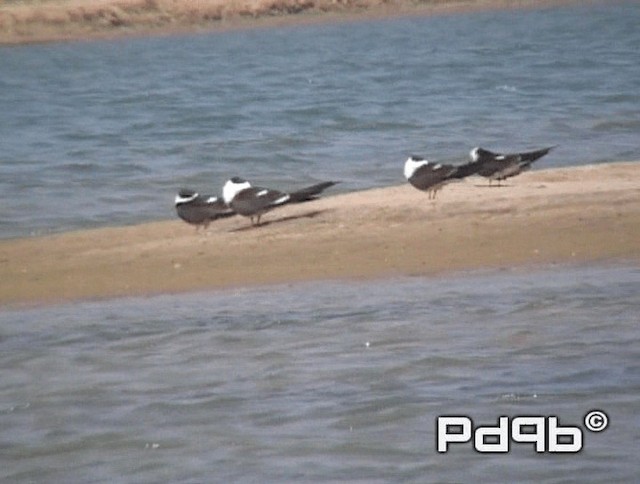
[[431, 177], [200, 210], [253, 202], [499, 166]]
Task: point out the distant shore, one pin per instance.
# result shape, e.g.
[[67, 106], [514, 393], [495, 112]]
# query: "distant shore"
[[34, 21], [557, 216]]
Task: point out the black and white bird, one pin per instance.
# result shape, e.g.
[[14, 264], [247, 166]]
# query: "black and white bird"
[[253, 202], [499, 166], [431, 177], [200, 210]]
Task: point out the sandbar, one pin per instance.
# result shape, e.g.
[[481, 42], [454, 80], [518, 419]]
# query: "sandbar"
[[570, 215]]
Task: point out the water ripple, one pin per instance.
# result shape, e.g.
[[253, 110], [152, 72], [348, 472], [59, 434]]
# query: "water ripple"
[[142, 117]]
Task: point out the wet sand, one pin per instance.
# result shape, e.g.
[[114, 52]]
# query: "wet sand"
[[28, 21], [556, 216]]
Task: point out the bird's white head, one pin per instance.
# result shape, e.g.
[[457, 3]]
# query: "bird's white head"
[[473, 154], [412, 164], [234, 186]]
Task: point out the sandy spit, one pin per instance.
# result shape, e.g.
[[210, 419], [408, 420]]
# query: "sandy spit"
[[556, 216]]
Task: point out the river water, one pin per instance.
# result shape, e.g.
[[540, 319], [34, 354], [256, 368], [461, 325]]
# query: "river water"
[[330, 381]]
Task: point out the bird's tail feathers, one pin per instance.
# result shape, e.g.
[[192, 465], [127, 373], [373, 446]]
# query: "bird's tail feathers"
[[531, 156], [466, 170], [310, 193]]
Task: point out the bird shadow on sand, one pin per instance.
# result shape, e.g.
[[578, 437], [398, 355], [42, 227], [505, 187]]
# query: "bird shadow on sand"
[[309, 214], [486, 185]]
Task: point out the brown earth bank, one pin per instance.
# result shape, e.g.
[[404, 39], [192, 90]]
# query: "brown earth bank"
[[26, 21], [569, 215]]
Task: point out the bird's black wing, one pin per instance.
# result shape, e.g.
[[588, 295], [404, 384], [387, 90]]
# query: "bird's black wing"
[[310, 193], [203, 209], [255, 200], [531, 156], [468, 169], [430, 175]]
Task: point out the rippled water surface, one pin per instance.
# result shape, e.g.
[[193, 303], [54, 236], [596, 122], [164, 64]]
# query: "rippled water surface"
[[323, 381], [104, 133]]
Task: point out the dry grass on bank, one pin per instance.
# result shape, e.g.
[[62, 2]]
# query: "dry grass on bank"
[[54, 20]]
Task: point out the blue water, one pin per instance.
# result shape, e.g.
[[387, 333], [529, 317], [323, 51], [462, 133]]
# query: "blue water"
[[324, 382], [104, 133]]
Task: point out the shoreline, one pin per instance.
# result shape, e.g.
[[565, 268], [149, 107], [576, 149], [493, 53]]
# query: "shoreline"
[[43, 21], [565, 215]]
